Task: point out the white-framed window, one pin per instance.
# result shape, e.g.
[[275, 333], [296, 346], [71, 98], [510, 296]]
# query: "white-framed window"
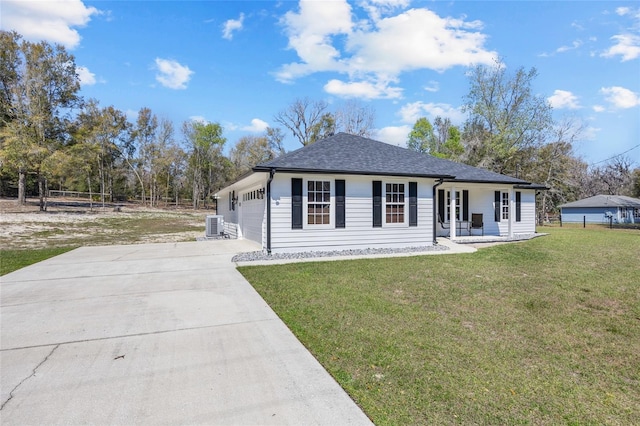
[[395, 204], [458, 204], [318, 202], [504, 206]]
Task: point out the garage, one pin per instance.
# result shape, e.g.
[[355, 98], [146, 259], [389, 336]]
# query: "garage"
[[252, 214]]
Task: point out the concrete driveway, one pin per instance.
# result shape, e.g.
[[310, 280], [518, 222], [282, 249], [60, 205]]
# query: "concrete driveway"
[[156, 334]]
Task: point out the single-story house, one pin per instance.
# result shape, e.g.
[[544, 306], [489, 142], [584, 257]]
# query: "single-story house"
[[602, 209], [350, 192]]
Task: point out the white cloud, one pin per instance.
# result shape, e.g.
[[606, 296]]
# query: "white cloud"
[[623, 11], [199, 119], [232, 25], [590, 133], [363, 89], [394, 135], [627, 46], [171, 74], [620, 97], [433, 86], [310, 34], [564, 99], [417, 39], [411, 112], [574, 45], [377, 8], [256, 126], [375, 51], [52, 21], [87, 78], [598, 108]]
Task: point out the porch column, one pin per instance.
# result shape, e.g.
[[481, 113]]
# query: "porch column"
[[512, 210], [452, 214]]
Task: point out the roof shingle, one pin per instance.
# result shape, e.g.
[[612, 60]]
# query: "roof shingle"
[[350, 154], [605, 201]]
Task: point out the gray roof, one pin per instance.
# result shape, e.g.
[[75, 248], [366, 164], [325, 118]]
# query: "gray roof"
[[349, 154], [605, 201]]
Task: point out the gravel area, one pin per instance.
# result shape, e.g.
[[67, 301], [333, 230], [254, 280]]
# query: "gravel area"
[[255, 256]]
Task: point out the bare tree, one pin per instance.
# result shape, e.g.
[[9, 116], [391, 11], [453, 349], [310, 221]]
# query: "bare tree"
[[274, 139], [615, 177], [355, 119], [249, 151], [303, 118]]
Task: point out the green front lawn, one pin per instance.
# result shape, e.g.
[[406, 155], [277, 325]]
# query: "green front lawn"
[[11, 260], [540, 332]]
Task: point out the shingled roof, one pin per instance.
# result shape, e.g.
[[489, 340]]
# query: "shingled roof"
[[605, 201], [350, 154]]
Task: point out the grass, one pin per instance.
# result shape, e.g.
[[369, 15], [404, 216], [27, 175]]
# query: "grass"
[[541, 332], [12, 260]]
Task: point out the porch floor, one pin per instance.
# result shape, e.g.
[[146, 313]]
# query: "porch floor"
[[474, 239]]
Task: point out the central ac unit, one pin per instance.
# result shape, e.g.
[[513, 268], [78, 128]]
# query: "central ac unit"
[[214, 225]]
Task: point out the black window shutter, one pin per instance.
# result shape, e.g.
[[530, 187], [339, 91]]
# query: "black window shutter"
[[496, 214], [465, 205], [296, 203], [413, 203], [340, 203], [441, 201], [518, 206], [377, 204]]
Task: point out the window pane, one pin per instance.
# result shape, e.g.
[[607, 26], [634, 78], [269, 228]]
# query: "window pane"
[[327, 197], [326, 186]]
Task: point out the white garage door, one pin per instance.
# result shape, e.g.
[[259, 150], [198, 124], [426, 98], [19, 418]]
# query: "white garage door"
[[251, 217]]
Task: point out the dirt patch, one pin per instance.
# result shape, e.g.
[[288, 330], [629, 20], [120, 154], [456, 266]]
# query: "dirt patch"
[[71, 222]]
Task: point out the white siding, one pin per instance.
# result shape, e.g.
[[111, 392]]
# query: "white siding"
[[248, 217], [527, 224], [359, 231]]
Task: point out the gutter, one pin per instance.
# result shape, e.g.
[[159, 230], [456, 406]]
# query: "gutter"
[[271, 173], [435, 209]]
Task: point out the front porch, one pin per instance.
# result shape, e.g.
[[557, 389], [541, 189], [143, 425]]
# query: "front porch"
[[475, 212]]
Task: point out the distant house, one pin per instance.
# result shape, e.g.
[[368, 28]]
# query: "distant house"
[[602, 209], [349, 192]]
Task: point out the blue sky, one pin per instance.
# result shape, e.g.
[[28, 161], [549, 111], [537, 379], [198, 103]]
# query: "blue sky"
[[240, 62]]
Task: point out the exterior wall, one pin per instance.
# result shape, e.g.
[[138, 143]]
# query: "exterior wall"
[[527, 224], [230, 215], [591, 214], [481, 200], [358, 232], [246, 217]]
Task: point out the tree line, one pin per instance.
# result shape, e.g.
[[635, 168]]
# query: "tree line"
[[511, 130], [52, 138]]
